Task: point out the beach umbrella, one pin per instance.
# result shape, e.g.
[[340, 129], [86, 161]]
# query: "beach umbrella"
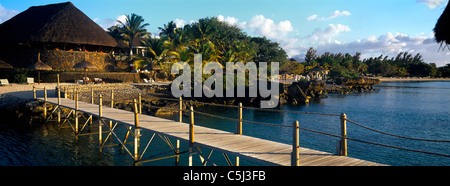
[[5, 65], [86, 65], [39, 65]]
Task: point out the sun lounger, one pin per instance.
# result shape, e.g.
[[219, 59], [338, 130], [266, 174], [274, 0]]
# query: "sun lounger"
[[4, 82], [30, 80]]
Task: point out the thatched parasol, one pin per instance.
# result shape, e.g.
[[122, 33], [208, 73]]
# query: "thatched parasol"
[[4, 65], [85, 65], [39, 65], [442, 28]]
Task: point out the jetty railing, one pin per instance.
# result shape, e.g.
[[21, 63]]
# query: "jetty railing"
[[137, 107]]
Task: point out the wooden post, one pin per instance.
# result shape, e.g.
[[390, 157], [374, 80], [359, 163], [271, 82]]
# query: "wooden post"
[[239, 129], [76, 111], [59, 106], [100, 115], [239, 124], [57, 82], [112, 106], [191, 136], [136, 115], [45, 102], [343, 135], [295, 145], [112, 98], [140, 103], [34, 92], [177, 151], [191, 127], [73, 90], [137, 132], [180, 113], [92, 95], [137, 135], [59, 97], [65, 92]]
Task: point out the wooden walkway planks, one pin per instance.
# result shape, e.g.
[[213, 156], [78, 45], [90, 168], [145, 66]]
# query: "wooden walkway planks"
[[255, 149]]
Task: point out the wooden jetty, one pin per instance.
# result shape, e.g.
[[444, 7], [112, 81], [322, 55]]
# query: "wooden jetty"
[[241, 146]]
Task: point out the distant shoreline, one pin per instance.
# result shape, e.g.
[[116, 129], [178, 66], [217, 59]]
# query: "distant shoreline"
[[385, 79]]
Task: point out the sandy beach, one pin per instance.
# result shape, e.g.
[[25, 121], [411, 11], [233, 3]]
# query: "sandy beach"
[[25, 91], [387, 79]]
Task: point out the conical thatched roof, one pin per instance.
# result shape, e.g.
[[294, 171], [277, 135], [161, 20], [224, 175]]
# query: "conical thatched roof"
[[40, 66], [442, 28], [85, 65], [4, 65], [54, 23]]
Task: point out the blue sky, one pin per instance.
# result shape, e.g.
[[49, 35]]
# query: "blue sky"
[[372, 27]]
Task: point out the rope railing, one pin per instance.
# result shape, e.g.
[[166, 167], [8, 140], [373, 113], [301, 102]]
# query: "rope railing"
[[373, 143], [398, 136]]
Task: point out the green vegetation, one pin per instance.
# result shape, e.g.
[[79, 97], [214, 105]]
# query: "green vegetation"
[[215, 40], [221, 42], [346, 65]]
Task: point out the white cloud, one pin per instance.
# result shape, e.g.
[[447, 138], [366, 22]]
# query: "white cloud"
[[390, 44], [335, 14], [108, 22], [228, 19], [122, 18], [312, 17], [179, 22], [431, 3], [327, 34], [6, 14], [260, 25]]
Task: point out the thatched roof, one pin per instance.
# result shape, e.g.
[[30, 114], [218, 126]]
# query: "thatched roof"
[[54, 23], [4, 65], [442, 28], [85, 65], [40, 66]]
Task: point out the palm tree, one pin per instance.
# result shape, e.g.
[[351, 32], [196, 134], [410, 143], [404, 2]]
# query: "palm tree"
[[134, 27], [170, 30], [155, 47]]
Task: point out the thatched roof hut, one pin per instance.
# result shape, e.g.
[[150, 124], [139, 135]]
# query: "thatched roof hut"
[[61, 24], [442, 28]]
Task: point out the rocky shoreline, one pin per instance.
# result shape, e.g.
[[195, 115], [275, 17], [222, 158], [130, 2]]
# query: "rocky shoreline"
[[18, 110], [158, 101], [302, 91]]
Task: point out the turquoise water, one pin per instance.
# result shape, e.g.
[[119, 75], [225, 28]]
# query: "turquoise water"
[[412, 109]]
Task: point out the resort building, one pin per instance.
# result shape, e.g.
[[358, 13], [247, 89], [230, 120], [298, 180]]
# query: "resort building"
[[61, 33], [317, 73]]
